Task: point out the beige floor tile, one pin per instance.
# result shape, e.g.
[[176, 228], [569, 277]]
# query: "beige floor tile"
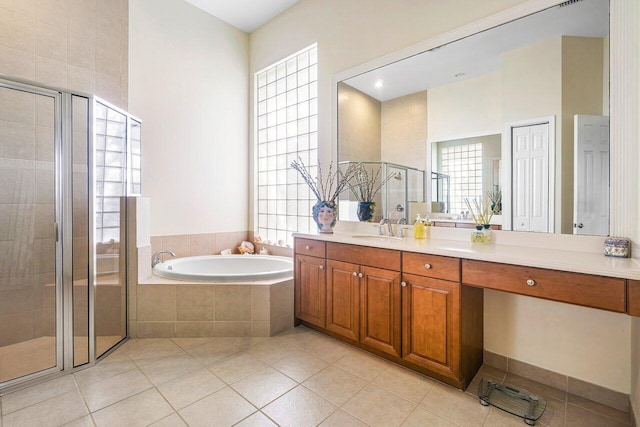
[[136, 344], [171, 367], [114, 389], [222, 408], [242, 342], [498, 418], [320, 346], [362, 364], [335, 384], [264, 386], [581, 417], [187, 343], [405, 383], [172, 420], [191, 387], [378, 407], [139, 410], [342, 419], [421, 417], [150, 352], [272, 350], [454, 405], [236, 367], [53, 412], [114, 364], [37, 393], [298, 408], [554, 414], [213, 351], [300, 365], [85, 421], [258, 419]]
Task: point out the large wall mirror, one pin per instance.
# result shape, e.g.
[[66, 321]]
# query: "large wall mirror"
[[519, 111]]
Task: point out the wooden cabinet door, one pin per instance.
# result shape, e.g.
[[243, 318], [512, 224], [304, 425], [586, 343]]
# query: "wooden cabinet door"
[[380, 306], [343, 299], [431, 324], [310, 290]]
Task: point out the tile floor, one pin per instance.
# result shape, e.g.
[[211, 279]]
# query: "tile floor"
[[299, 378]]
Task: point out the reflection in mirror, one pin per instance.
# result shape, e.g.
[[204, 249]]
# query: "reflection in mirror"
[[521, 109]]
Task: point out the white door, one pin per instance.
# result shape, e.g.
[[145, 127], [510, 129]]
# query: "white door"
[[591, 175], [530, 185]]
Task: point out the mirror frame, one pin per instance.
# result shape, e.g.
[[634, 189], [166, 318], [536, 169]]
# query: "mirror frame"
[[624, 83]]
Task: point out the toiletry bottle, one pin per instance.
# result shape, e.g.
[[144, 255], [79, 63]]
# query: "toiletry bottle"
[[419, 231], [427, 228]]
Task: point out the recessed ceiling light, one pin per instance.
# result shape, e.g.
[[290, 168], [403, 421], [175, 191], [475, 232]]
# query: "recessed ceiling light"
[[379, 83], [458, 75]]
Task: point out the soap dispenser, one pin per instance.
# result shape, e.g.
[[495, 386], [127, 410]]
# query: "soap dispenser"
[[419, 230]]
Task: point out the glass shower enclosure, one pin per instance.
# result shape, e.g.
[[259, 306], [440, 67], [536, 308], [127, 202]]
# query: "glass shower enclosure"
[[67, 163]]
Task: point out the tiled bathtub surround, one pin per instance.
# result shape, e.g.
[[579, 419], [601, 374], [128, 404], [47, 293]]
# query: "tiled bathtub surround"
[[199, 244], [218, 310]]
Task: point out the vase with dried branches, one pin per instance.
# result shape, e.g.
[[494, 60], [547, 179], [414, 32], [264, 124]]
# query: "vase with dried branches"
[[326, 190], [364, 186]]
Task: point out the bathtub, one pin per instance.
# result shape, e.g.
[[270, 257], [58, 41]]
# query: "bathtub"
[[226, 268]]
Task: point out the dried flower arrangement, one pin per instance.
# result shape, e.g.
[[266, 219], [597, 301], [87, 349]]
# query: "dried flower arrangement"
[[496, 200], [365, 185], [329, 188]]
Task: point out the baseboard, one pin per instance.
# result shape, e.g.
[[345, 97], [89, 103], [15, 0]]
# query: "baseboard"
[[574, 386]]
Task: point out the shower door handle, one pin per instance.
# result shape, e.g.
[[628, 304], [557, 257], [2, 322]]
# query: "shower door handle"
[[55, 231]]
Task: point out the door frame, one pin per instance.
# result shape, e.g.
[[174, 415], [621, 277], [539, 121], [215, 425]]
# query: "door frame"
[[507, 168]]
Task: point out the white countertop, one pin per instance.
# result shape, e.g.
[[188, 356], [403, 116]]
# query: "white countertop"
[[561, 256]]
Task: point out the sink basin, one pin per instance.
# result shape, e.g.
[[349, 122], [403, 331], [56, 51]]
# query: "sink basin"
[[378, 238]]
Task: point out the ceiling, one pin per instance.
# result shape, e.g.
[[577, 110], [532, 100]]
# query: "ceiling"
[[480, 54], [246, 15]]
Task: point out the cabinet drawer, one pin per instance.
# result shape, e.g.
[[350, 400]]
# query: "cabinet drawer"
[[574, 288], [310, 247], [633, 298], [363, 255], [439, 267]]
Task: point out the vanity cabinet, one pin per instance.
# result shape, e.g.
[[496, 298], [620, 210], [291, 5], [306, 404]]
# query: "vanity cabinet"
[[633, 298], [606, 293], [310, 282], [440, 317], [363, 302]]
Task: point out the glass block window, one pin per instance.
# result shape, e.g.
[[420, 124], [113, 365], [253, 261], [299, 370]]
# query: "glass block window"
[[286, 95], [463, 164]]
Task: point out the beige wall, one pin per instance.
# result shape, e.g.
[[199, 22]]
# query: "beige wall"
[[359, 125], [467, 108], [76, 44], [189, 86], [404, 130]]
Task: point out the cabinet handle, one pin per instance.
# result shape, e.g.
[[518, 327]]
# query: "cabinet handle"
[[321, 267], [354, 274], [427, 266], [531, 282], [359, 274], [403, 284], [307, 247]]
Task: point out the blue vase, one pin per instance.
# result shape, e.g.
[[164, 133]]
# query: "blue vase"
[[366, 210], [325, 214]]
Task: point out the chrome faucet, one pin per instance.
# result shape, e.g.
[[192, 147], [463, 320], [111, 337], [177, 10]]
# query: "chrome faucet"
[[157, 257], [402, 221], [389, 228]]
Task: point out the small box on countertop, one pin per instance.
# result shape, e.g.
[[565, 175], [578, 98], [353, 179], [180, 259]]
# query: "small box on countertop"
[[617, 247]]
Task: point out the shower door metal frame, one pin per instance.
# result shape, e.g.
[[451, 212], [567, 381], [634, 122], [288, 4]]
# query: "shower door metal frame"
[[63, 207], [60, 182]]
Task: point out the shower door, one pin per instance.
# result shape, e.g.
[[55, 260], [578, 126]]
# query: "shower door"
[[30, 248]]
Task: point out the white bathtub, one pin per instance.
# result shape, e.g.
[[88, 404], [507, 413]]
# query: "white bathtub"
[[226, 268]]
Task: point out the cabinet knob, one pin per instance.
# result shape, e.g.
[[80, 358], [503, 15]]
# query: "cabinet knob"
[[403, 284], [427, 266], [531, 282], [307, 247], [321, 267], [354, 274], [359, 274]]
